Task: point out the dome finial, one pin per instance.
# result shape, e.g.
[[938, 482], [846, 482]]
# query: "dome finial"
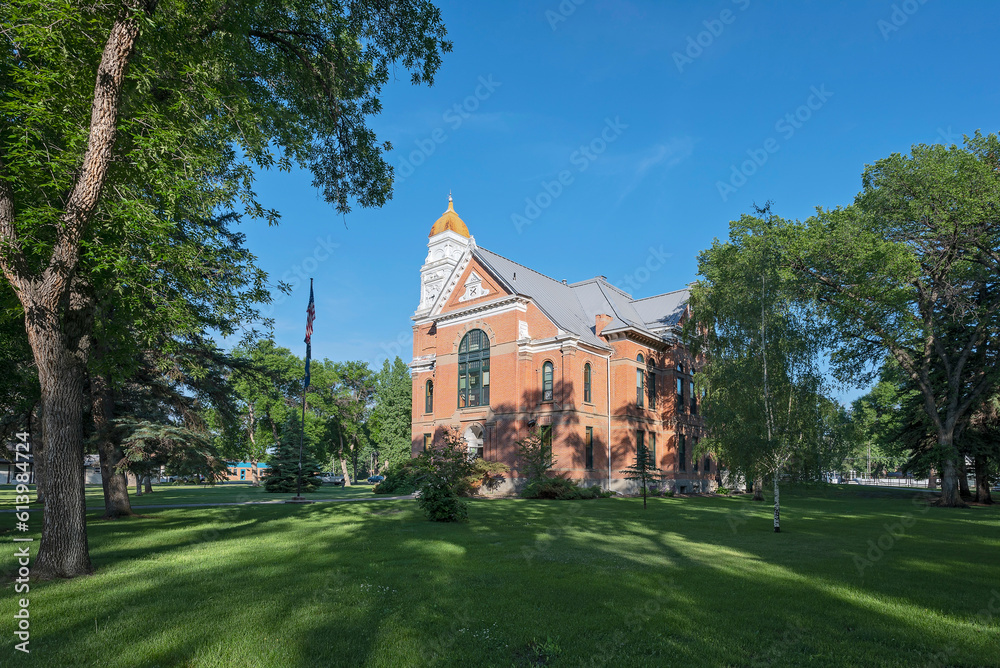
[[449, 220]]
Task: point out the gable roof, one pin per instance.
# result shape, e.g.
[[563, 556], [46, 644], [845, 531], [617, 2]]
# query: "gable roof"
[[574, 308]]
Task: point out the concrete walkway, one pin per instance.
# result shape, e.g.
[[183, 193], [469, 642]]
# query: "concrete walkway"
[[139, 508]]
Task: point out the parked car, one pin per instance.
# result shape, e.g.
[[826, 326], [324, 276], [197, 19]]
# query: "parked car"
[[375, 479], [331, 478]]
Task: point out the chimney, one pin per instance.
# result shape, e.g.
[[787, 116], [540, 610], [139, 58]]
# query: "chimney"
[[602, 321]]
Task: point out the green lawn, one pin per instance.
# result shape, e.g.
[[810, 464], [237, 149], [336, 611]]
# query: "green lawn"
[[220, 493], [688, 582]]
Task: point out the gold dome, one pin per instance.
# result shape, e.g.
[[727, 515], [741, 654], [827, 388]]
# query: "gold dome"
[[450, 221]]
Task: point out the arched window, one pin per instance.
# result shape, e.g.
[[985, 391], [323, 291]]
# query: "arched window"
[[474, 369], [586, 383], [429, 397], [547, 381], [640, 375]]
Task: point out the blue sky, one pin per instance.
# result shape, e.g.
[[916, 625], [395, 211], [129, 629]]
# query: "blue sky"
[[648, 113]]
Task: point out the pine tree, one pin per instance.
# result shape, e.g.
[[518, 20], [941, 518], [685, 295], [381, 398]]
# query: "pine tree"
[[284, 463], [643, 469]]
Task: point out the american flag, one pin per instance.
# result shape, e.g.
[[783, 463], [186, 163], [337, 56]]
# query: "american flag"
[[310, 316]]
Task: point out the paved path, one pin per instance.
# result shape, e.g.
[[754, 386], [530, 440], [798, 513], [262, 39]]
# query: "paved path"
[[137, 508]]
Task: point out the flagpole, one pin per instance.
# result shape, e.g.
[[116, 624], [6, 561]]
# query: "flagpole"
[[305, 384]]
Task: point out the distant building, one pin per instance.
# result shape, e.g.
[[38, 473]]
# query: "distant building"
[[500, 349], [244, 471]]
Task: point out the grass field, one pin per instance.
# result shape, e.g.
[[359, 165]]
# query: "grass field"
[[688, 582], [220, 493]]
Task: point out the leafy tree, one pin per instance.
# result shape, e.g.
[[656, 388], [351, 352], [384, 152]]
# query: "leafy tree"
[[911, 269], [183, 451], [643, 470], [392, 413], [877, 419], [982, 439], [534, 456], [761, 345], [352, 396], [444, 478], [186, 100]]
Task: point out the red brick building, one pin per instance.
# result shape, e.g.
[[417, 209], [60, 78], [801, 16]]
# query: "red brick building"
[[500, 350]]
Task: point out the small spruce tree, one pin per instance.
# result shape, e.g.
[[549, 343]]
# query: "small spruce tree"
[[284, 463], [643, 469]]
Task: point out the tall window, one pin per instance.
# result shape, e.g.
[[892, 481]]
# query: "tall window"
[[588, 453], [546, 433], [680, 394], [694, 398], [651, 389], [474, 369], [547, 381], [681, 453], [429, 397], [640, 375], [427, 440], [708, 464], [640, 440], [586, 384], [652, 446]]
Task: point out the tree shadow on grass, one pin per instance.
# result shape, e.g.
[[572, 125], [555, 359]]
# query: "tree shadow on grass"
[[606, 582]]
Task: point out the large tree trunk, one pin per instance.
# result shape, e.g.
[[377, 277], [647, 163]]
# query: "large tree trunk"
[[343, 462], [63, 551], [148, 479], [962, 471], [115, 484], [982, 480], [777, 505], [758, 489], [950, 496]]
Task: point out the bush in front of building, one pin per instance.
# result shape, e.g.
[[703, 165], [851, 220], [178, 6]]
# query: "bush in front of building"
[[443, 478], [561, 489]]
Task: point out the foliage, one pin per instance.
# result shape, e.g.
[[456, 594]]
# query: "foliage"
[[121, 119], [910, 270], [399, 479], [534, 457], [561, 489], [391, 413], [284, 465], [643, 470], [445, 470], [761, 342], [183, 451], [486, 475]]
